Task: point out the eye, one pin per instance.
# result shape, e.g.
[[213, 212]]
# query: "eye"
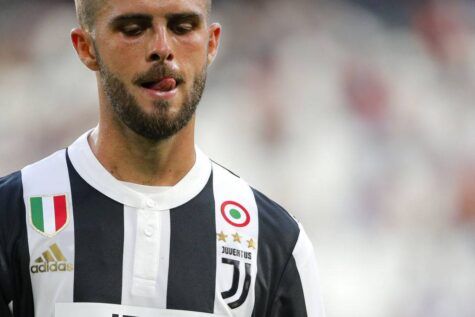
[[182, 28], [132, 30]]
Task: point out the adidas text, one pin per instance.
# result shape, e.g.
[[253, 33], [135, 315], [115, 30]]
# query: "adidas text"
[[52, 267]]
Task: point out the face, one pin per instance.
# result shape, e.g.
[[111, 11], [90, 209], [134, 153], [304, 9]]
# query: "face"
[[152, 57]]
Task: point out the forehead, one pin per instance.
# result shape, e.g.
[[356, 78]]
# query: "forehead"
[[156, 8]]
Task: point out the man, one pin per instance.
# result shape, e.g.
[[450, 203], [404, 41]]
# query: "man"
[[132, 219]]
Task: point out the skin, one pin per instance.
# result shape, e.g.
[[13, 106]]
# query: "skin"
[[184, 46]]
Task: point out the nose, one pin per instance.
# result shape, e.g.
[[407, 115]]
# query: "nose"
[[161, 50]]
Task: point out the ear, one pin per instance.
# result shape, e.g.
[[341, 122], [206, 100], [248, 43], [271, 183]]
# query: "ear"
[[214, 31], [82, 42]]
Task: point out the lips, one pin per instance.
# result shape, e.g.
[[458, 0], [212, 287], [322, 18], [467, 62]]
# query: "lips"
[[164, 88], [163, 85]]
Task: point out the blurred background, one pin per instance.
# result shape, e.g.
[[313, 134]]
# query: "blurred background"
[[357, 116]]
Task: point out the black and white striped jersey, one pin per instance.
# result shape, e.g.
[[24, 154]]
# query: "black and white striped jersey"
[[75, 241]]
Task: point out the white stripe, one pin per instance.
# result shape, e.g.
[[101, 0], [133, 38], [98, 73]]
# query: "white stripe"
[[228, 187], [46, 178], [162, 278], [48, 215], [147, 249], [101, 310], [307, 267], [146, 257], [10, 306]]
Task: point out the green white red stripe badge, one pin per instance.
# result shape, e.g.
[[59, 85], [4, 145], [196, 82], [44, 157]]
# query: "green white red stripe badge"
[[235, 214], [49, 214]]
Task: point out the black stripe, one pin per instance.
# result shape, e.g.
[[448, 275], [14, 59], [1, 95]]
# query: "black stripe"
[[15, 282], [278, 234], [192, 267], [289, 298], [99, 243]]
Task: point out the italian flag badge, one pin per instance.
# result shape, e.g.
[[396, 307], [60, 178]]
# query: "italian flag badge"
[[235, 214], [49, 214]]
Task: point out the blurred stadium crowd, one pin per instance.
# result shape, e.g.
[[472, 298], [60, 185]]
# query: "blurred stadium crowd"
[[357, 115]]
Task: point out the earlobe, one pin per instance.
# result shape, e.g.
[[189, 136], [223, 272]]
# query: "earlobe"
[[213, 41], [85, 49]]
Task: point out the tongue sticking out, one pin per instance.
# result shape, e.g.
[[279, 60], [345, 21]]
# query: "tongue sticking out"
[[166, 84]]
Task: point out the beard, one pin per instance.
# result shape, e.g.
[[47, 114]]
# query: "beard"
[[159, 124]]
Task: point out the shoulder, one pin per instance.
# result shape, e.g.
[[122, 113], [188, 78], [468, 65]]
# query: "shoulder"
[[9, 184], [275, 219], [11, 192], [276, 225], [16, 186], [12, 186], [12, 210]]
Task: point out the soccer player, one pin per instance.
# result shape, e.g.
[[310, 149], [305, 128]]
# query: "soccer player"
[[133, 219]]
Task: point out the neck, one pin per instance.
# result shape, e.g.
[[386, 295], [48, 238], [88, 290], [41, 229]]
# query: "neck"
[[132, 158]]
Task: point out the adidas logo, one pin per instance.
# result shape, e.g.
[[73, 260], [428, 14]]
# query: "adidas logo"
[[52, 260]]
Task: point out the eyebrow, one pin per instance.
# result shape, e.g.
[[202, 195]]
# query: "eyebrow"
[[118, 20], [124, 18], [184, 16]]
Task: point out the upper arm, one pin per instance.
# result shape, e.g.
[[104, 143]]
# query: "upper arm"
[[298, 291], [6, 295], [6, 287], [15, 284]]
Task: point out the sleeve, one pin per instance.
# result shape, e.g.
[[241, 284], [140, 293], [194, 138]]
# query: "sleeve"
[[7, 195], [298, 292], [5, 285]]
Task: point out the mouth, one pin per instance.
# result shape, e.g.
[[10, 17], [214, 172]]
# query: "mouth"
[[163, 88]]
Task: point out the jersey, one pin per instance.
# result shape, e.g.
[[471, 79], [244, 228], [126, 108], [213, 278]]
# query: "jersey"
[[75, 241]]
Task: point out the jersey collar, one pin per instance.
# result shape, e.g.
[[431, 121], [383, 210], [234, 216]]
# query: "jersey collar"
[[91, 170]]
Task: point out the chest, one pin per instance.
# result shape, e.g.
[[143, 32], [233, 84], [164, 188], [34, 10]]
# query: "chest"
[[199, 257]]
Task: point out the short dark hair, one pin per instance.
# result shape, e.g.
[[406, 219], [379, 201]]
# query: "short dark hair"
[[87, 10]]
